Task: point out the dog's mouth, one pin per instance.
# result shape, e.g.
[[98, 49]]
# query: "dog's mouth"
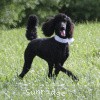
[[63, 33]]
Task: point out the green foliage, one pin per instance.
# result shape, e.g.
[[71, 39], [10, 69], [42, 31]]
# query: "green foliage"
[[14, 13], [82, 10], [84, 61]]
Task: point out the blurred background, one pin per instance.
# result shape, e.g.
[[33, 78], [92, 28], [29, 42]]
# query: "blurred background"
[[14, 13]]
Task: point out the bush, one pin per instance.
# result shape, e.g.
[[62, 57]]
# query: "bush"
[[14, 13], [82, 10]]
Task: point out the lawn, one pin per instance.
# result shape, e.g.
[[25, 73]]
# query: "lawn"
[[84, 62]]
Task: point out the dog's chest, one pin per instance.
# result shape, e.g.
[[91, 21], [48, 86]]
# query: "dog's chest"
[[57, 53], [61, 52], [53, 51]]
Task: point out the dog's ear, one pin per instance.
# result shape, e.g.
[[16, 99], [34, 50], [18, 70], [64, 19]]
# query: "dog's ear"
[[69, 27], [48, 27]]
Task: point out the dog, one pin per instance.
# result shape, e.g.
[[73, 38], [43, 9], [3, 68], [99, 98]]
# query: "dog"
[[54, 50]]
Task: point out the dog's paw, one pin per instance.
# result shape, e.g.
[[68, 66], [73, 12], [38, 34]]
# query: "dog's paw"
[[75, 79], [19, 77]]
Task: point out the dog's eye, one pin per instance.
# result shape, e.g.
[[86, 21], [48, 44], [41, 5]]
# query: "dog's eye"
[[65, 22]]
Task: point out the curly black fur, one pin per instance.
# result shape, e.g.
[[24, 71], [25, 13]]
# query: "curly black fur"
[[31, 32], [48, 27], [53, 52]]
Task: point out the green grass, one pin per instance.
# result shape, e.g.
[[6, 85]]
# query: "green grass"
[[84, 61]]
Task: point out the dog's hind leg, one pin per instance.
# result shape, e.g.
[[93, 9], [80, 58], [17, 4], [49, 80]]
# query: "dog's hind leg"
[[28, 58]]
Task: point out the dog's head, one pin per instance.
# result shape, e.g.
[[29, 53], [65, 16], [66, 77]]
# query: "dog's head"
[[61, 24]]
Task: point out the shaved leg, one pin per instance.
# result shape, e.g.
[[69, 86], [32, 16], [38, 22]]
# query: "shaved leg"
[[28, 58], [50, 70], [69, 73]]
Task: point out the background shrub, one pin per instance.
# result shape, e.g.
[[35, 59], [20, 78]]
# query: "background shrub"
[[14, 13]]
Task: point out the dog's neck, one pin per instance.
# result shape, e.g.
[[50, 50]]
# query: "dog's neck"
[[61, 40]]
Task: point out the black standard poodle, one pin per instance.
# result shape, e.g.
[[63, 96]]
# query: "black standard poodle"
[[54, 50]]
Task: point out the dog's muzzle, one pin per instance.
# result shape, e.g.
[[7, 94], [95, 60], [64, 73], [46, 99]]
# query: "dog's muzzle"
[[63, 29], [63, 33]]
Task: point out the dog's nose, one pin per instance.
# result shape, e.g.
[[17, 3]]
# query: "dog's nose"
[[62, 28]]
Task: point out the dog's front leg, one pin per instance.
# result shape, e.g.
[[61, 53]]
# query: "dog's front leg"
[[50, 70], [59, 68], [69, 73]]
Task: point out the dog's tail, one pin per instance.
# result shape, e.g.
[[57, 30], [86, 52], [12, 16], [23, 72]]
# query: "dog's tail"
[[31, 31]]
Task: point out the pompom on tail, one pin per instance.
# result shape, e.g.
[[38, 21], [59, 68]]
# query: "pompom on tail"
[[31, 31]]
